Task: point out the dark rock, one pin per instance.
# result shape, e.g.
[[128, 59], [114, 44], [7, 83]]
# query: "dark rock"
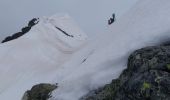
[[33, 22], [24, 30], [16, 35], [64, 32], [166, 43], [104, 93], [7, 39], [39, 92], [111, 20], [146, 78]]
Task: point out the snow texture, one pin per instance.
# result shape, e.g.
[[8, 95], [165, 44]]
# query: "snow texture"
[[57, 51], [147, 23], [35, 57]]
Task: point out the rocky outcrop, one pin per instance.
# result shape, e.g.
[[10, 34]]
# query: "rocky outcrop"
[[24, 30], [146, 78], [39, 92]]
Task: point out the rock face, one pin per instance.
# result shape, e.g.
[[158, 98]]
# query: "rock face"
[[39, 92], [24, 30], [146, 78]]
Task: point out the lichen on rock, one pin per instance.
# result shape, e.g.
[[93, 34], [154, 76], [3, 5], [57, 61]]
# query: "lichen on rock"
[[146, 78], [39, 92]]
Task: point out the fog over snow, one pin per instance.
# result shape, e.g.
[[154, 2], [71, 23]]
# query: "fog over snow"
[[91, 15], [56, 50]]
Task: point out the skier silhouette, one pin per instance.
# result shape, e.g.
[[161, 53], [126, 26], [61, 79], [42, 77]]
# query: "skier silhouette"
[[111, 20]]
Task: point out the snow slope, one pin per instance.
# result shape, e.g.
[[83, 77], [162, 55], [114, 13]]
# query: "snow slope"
[[33, 58], [56, 51], [147, 23]]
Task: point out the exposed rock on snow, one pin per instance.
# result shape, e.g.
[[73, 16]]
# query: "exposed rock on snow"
[[39, 92], [24, 30], [146, 78]]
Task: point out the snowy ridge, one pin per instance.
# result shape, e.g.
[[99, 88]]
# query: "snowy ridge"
[[34, 57], [71, 40], [59, 55]]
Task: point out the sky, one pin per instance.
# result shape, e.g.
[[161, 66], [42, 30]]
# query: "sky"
[[91, 15]]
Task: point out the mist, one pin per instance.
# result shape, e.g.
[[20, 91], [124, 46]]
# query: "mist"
[[91, 15]]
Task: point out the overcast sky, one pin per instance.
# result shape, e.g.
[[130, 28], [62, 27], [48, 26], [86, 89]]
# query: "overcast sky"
[[91, 15]]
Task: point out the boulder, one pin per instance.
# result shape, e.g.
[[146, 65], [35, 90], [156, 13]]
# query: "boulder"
[[39, 92]]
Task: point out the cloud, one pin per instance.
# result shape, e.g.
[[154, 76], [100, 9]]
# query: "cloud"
[[91, 15]]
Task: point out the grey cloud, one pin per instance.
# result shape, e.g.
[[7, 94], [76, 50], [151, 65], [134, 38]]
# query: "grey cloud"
[[91, 15]]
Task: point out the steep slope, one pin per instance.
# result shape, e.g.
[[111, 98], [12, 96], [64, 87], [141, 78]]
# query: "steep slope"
[[147, 23], [147, 77], [45, 54], [34, 57]]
